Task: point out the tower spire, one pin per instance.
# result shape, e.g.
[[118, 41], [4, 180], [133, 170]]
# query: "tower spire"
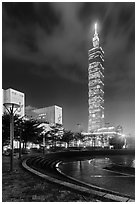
[[95, 38], [95, 29]]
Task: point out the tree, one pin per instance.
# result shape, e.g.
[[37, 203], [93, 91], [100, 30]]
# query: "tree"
[[44, 136], [56, 134], [6, 128], [78, 137], [67, 137], [30, 131]]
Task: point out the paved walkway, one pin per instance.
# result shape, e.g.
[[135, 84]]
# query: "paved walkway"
[[94, 172], [35, 166]]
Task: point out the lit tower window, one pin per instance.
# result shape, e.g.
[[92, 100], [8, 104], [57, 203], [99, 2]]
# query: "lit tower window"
[[96, 85]]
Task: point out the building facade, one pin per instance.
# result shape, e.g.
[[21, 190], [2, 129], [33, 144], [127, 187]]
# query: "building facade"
[[11, 96], [51, 114], [96, 85], [102, 137]]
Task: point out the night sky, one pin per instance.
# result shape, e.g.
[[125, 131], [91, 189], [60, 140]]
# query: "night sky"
[[45, 55]]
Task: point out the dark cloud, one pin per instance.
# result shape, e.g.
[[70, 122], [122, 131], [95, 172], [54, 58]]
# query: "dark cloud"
[[56, 34], [31, 41]]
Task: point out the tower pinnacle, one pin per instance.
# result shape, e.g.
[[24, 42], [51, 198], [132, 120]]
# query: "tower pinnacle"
[[95, 38], [95, 28]]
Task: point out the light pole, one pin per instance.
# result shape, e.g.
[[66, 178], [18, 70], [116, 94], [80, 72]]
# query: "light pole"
[[11, 108]]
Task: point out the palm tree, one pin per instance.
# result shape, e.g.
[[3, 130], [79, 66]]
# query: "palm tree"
[[45, 129], [67, 137], [78, 137]]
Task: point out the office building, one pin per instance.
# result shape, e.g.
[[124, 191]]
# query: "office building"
[[52, 114]]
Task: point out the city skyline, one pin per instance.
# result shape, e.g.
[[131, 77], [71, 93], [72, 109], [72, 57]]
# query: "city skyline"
[[45, 55]]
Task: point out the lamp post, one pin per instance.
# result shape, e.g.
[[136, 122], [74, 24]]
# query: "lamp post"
[[11, 108]]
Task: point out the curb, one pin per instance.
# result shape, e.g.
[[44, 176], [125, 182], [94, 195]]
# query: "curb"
[[103, 195]]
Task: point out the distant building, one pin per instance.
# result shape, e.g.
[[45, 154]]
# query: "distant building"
[[11, 96], [52, 114], [119, 129], [101, 138], [96, 85]]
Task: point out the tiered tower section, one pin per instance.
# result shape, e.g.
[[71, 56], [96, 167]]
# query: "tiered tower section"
[[96, 85]]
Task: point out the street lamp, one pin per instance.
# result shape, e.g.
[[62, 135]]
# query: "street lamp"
[[11, 108]]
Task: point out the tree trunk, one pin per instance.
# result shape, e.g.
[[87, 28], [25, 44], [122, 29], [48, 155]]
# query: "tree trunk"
[[20, 145], [66, 144], [25, 145], [55, 142], [2, 148]]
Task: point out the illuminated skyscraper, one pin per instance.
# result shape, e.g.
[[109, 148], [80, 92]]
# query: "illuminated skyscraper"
[[96, 85]]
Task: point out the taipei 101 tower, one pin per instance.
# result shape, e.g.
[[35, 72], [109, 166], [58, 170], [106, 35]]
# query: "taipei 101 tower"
[[96, 85]]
